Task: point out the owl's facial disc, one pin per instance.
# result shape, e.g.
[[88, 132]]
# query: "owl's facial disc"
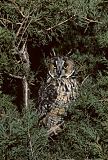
[[61, 67]]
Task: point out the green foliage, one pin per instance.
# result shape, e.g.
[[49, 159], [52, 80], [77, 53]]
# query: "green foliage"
[[7, 55], [103, 39], [15, 130], [80, 26]]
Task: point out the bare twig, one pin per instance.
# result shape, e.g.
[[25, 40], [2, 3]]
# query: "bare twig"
[[14, 76], [69, 52], [17, 8], [19, 29], [84, 80], [25, 92], [3, 23], [30, 143], [24, 21], [104, 100], [90, 20], [32, 84], [6, 20], [59, 24], [24, 56], [86, 19], [86, 28], [24, 32]]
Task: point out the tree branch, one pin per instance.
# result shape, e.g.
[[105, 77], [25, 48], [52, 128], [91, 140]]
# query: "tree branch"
[[14, 76], [17, 8], [30, 143], [25, 92], [59, 24], [91, 20], [104, 100], [75, 15], [3, 23], [19, 29], [24, 32]]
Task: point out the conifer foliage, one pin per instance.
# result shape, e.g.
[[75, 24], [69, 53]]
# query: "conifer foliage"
[[30, 29]]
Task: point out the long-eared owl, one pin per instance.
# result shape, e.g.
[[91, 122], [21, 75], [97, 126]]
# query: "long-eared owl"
[[55, 95]]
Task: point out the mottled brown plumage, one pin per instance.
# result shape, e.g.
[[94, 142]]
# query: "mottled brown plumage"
[[57, 93]]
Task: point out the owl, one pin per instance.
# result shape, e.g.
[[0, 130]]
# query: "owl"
[[58, 91]]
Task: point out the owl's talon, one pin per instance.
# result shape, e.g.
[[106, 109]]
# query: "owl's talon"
[[55, 129]]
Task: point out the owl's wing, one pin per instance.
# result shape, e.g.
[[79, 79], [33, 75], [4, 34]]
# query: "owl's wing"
[[47, 96], [74, 84]]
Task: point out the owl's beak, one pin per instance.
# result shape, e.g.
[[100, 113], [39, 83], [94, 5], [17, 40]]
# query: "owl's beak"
[[58, 73]]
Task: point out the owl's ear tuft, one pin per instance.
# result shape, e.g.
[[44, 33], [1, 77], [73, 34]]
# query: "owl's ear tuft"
[[53, 51]]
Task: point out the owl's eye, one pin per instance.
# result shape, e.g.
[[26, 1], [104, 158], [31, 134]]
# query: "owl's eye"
[[65, 65], [54, 65]]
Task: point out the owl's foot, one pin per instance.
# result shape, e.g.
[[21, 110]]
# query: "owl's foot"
[[55, 129]]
